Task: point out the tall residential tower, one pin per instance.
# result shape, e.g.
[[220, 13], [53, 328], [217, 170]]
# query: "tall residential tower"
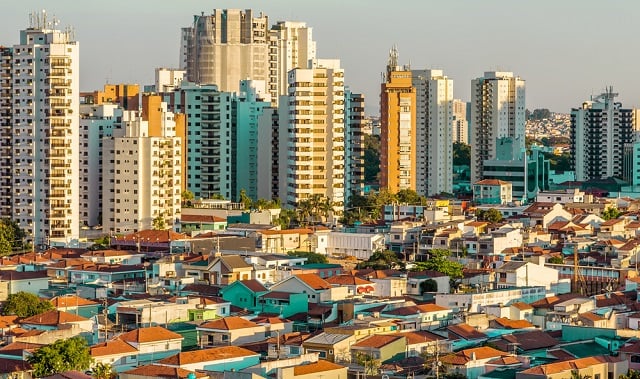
[[497, 111], [397, 127]]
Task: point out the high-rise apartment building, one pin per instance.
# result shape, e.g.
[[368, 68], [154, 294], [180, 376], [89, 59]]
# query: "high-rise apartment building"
[[45, 139], [168, 79], [460, 122], [292, 46], [497, 111], [397, 127], [249, 127], [600, 129], [354, 144], [434, 142], [6, 130], [125, 95], [97, 121], [225, 47], [312, 124], [141, 173]]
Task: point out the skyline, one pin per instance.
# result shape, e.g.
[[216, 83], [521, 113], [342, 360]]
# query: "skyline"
[[562, 57]]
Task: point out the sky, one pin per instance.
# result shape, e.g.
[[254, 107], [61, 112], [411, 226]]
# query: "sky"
[[566, 50]]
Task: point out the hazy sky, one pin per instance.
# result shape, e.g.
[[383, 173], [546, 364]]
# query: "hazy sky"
[[566, 50]]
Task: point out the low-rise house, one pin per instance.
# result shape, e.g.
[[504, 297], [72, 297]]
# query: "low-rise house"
[[285, 304], [420, 343], [54, 319], [615, 228], [525, 274], [159, 371], [541, 215], [153, 343], [593, 367], [471, 362], [333, 347], [244, 293], [465, 335], [525, 342], [117, 353], [221, 359], [311, 284], [232, 330], [111, 257], [76, 304], [287, 344], [416, 278], [357, 245], [226, 269], [15, 369], [594, 320], [631, 353], [120, 278], [492, 191], [282, 241], [12, 282], [418, 317], [506, 323], [355, 286], [320, 369], [196, 224], [384, 347], [568, 312]]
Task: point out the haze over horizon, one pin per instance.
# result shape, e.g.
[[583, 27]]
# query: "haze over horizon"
[[566, 51]]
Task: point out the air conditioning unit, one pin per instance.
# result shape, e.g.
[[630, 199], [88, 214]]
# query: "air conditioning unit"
[[170, 274]]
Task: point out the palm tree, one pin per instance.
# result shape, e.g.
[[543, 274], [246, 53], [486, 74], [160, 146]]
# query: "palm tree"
[[632, 374], [103, 371]]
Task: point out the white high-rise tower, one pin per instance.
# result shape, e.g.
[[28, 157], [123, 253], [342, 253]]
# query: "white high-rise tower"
[[434, 143], [497, 111], [45, 171]]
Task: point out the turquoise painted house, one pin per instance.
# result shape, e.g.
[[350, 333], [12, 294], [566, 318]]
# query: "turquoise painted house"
[[284, 304], [244, 294]]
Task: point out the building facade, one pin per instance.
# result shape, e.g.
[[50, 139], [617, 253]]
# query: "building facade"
[[45, 169], [313, 117], [354, 144], [225, 47], [497, 110], [600, 128], [460, 125], [434, 140], [142, 172], [6, 130], [397, 127]]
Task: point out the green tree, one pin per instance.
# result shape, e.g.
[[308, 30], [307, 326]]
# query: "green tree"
[[187, 198], [490, 215], [556, 260], [60, 356], [311, 256], [158, 223], [11, 237], [245, 199], [103, 371], [632, 374], [611, 213], [285, 218], [461, 154], [371, 158], [409, 196], [439, 261], [24, 304], [370, 364], [381, 260]]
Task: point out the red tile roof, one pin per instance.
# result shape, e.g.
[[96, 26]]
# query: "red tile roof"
[[229, 323], [466, 331], [320, 366], [112, 347], [378, 341], [53, 318], [464, 356], [201, 218], [513, 324], [314, 281], [491, 182], [347, 280], [421, 336], [70, 301], [150, 334], [521, 306], [9, 366], [567, 366], [157, 371], [207, 355], [151, 236], [254, 285]]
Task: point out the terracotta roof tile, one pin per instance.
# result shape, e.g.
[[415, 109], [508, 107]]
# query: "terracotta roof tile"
[[347, 280], [521, 306], [377, 341], [320, 366], [157, 371], [207, 355], [9, 366], [314, 281], [513, 324], [112, 347], [150, 334], [201, 218], [254, 285], [466, 331], [565, 366], [53, 318], [421, 336], [70, 301], [229, 323], [464, 356]]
